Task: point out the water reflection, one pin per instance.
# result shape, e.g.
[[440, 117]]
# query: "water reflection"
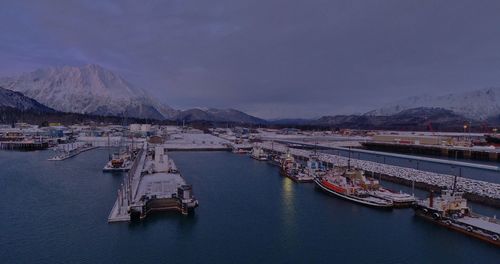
[[288, 216]]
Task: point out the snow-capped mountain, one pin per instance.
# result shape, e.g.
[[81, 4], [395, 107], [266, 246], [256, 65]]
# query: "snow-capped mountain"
[[17, 100], [217, 115], [89, 89], [477, 105]]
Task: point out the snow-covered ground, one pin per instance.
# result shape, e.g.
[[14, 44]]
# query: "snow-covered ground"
[[190, 141]]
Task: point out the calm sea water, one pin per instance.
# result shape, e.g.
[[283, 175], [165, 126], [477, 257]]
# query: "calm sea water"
[[55, 212]]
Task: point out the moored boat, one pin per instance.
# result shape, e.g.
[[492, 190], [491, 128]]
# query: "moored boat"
[[292, 170], [344, 187], [119, 162], [258, 154], [451, 210], [399, 199]]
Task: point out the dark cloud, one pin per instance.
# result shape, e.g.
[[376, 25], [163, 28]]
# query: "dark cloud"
[[285, 58]]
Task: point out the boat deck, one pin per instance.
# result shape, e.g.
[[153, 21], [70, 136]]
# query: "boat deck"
[[481, 223]]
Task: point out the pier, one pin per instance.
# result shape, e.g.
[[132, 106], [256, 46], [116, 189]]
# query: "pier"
[[64, 154], [480, 191], [23, 145], [152, 184]]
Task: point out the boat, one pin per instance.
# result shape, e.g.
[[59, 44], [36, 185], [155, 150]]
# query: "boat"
[[290, 169], [347, 187], [373, 188], [450, 210], [399, 199], [258, 154], [240, 151], [119, 162]]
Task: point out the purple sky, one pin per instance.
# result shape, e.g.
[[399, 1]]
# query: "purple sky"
[[271, 58]]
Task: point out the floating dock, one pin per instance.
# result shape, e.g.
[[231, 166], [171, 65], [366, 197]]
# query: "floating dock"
[[71, 153], [152, 184]]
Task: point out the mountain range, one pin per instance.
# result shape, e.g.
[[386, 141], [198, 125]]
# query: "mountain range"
[[94, 90], [90, 89], [476, 105]]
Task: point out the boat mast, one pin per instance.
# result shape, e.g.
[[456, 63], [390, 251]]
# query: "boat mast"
[[455, 178], [109, 148], [349, 160]]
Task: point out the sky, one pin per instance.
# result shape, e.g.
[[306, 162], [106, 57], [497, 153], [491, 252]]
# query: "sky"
[[270, 58]]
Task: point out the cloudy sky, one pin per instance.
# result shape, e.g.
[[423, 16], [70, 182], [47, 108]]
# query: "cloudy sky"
[[271, 58]]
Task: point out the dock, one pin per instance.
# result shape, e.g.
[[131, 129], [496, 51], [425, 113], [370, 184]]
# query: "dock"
[[152, 184], [71, 153], [23, 145], [475, 190]]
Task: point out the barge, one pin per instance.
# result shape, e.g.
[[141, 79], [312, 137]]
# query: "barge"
[[451, 211], [152, 184]]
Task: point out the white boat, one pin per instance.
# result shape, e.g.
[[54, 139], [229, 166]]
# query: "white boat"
[[258, 154]]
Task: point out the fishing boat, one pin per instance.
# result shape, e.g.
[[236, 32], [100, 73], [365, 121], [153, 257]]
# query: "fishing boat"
[[119, 162], [292, 170], [347, 187], [258, 154]]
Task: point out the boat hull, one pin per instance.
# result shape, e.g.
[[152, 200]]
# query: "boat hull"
[[433, 216], [350, 197], [284, 173]]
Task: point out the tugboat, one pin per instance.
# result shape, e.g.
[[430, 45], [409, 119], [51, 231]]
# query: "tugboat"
[[349, 187], [119, 162], [258, 154], [451, 210]]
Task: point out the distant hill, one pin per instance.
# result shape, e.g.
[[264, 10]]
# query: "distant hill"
[[410, 119], [476, 105], [217, 115], [16, 100]]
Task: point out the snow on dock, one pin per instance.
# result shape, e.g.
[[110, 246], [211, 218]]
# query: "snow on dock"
[[480, 188], [152, 184], [196, 141], [66, 151]]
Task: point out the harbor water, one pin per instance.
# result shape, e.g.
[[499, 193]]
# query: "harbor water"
[[56, 212]]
